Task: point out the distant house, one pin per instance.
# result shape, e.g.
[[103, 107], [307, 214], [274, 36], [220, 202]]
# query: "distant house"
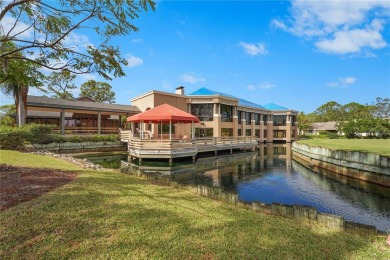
[[316, 128]]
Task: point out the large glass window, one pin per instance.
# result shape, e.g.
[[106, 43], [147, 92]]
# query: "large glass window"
[[165, 129], [257, 118], [248, 118], [265, 119], [227, 132], [239, 132], [72, 122], [239, 115], [226, 113], [257, 132], [292, 120], [248, 132], [202, 111], [203, 132], [280, 120], [279, 134]]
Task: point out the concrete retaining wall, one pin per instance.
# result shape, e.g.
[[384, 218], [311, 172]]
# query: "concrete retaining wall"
[[359, 165], [82, 147], [299, 212]]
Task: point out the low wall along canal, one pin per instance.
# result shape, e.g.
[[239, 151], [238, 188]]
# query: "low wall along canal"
[[83, 147], [368, 167]]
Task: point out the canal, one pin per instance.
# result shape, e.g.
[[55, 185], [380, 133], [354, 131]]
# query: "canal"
[[270, 175]]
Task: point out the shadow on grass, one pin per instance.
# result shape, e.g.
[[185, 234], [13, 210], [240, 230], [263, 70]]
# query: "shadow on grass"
[[113, 215]]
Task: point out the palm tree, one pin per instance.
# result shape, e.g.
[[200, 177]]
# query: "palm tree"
[[16, 76], [19, 94]]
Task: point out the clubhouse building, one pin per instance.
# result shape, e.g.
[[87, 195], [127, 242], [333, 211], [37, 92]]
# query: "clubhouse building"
[[219, 114]]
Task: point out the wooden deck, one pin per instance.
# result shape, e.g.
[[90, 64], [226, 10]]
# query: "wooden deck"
[[178, 148]]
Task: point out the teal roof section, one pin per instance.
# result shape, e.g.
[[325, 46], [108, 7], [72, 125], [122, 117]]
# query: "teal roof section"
[[209, 92], [273, 106], [246, 103]]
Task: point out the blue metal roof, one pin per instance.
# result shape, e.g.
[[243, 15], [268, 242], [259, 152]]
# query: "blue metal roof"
[[241, 102], [273, 106], [208, 92], [246, 103]]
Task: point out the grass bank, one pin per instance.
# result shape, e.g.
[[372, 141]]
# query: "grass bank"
[[378, 146], [104, 215]]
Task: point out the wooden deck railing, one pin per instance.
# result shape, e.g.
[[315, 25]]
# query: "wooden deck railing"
[[87, 130], [161, 144]]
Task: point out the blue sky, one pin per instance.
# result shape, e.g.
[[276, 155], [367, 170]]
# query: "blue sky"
[[298, 54]]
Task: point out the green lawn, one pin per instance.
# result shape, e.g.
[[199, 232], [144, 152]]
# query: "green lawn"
[[379, 146], [104, 215]]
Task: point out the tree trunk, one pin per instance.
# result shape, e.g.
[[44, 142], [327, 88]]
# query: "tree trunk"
[[21, 107]]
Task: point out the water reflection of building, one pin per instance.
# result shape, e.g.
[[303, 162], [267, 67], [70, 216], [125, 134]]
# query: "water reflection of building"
[[227, 171]]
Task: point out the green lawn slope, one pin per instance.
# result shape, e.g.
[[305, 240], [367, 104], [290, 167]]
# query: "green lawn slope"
[[378, 146], [103, 215]]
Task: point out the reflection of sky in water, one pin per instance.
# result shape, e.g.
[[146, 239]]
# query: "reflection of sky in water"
[[303, 187]]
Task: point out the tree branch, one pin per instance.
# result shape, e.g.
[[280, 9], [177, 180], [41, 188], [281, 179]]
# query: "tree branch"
[[12, 5]]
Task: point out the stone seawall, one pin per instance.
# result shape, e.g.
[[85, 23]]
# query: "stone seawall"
[[368, 167], [82, 147], [299, 212]]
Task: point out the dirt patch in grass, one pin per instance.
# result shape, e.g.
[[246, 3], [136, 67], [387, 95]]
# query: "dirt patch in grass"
[[19, 184]]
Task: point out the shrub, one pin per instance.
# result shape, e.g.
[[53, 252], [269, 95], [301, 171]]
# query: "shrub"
[[333, 136], [39, 134], [13, 138], [84, 138]]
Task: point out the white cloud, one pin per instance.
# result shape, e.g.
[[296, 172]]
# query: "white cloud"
[[86, 77], [339, 26], [352, 41], [348, 80], [262, 85], [191, 78], [254, 49], [266, 85], [343, 82], [75, 41], [21, 29], [137, 40], [251, 87], [133, 61]]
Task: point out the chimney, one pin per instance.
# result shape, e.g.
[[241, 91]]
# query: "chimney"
[[179, 90]]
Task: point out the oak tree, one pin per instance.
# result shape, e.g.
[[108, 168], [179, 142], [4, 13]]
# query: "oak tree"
[[60, 84], [50, 33], [98, 91]]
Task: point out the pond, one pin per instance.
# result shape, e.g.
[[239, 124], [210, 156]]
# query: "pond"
[[270, 175]]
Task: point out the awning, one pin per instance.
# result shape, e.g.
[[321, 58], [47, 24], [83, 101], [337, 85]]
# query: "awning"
[[164, 113]]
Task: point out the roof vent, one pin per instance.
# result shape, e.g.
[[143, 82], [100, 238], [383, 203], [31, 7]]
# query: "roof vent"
[[180, 90]]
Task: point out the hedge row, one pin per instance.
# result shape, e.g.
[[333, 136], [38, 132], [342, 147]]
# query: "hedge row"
[[15, 138]]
